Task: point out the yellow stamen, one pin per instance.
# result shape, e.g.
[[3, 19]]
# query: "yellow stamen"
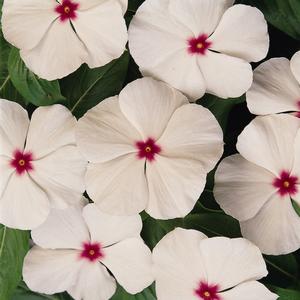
[[207, 294], [91, 252], [286, 184], [200, 46], [22, 162], [148, 149], [67, 9]]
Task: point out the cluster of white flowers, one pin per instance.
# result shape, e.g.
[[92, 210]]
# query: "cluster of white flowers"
[[150, 149]]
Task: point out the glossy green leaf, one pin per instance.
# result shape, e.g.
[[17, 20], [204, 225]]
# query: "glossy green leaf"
[[286, 294], [147, 294]]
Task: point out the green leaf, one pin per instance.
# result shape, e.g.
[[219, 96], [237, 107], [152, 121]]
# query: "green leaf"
[[37, 91], [296, 207], [147, 294], [14, 244], [286, 294], [87, 87]]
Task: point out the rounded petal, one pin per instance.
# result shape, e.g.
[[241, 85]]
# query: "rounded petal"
[[14, 124], [130, 261], [296, 167], [235, 37], [20, 17], [276, 228], [50, 271], [46, 136], [178, 266], [93, 283], [63, 229], [247, 291], [274, 88], [104, 133], [242, 188], [193, 133], [119, 186], [48, 58], [88, 4], [229, 262], [23, 204], [103, 31], [269, 142], [295, 65], [149, 104], [225, 76], [6, 173], [109, 229]]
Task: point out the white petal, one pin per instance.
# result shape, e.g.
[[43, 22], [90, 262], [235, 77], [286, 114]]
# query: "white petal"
[[20, 17], [200, 16], [14, 124], [58, 54], [276, 228], [225, 76], [274, 88], [61, 175], [88, 4], [23, 204], [50, 271], [269, 142], [175, 185], [103, 31], [103, 133], [229, 262], [45, 135], [193, 132], [119, 186], [63, 229], [246, 40], [108, 229], [296, 167], [130, 261], [93, 283], [249, 291], [6, 172], [178, 266], [242, 188], [149, 104], [295, 65]]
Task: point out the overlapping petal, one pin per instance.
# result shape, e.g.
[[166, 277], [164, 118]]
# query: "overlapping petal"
[[295, 65]]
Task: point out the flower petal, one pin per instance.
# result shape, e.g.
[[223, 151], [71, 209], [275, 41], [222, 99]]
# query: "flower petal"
[[103, 133], [50, 271], [193, 133], [178, 266], [109, 229], [149, 104], [48, 58], [103, 31], [225, 76], [93, 283], [23, 204], [123, 189], [235, 37], [269, 142], [20, 17], [130, 262], [276, 228], [88, 4], [229, 262], [296, 167], [274, 88], [242, 188], [175, 185], [6, 173], [14, 124], [295, 65]]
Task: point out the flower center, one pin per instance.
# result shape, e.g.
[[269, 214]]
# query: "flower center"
[[207, 292], [22, 162], [198, 45], [286, 184], [67, 10], [92, 251], [147, 149]]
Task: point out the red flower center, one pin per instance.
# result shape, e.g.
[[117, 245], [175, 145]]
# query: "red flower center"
[[22, 162], [286, 184], [148, 149], [198, 45], [67, 10], [207, 292], [92, 251], [298, 113]]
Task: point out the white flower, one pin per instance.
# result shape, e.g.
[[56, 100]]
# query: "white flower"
[[189, 266], [75, 249], [40, 164], [56, 37], [257, 185], [276, 87], [199, 46], [148, 148]]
